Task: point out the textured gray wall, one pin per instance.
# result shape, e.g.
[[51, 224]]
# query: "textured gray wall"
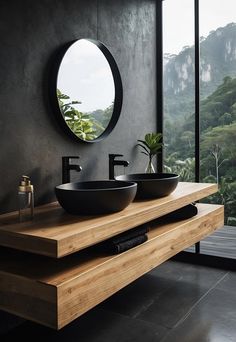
[[31, 141]]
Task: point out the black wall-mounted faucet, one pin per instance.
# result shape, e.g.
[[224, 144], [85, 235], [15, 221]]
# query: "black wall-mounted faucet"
[[67, 167], [113, 162]]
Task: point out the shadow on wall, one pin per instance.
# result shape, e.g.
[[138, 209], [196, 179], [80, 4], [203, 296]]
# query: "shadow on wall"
[[46, 194]]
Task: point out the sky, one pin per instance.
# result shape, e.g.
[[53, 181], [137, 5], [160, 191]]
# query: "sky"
[[178, 20], [85, 76]]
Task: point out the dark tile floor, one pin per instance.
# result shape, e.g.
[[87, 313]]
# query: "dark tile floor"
[[174, 302]]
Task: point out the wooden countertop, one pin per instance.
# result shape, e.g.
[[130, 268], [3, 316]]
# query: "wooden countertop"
[[54, 292], [55, 233]]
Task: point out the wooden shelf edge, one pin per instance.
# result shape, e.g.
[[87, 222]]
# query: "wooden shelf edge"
[[28, 299], [124, 222], [114, 274], [56, 234], [79, 288]]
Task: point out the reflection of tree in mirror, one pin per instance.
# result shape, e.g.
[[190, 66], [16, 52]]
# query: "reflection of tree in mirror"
[[102, 116], [87, 126], [80, 124]]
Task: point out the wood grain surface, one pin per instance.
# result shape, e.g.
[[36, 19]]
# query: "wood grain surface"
[[55, 233], [54, 292]]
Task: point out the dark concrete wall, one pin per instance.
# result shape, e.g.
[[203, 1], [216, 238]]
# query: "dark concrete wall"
[[31, 141]]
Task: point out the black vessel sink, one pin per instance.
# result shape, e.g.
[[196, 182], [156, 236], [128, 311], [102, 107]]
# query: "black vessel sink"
[[152, 185], [95, 197]]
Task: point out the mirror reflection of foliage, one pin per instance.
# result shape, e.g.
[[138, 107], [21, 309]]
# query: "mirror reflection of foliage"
[[81, 124], [101, 118], [87, 126]]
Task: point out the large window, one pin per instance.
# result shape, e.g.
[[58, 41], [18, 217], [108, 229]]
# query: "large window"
[[214, 101], [218, 101], [179, 87]]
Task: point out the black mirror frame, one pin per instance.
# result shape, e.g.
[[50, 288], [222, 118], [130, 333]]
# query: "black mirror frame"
[[118, 91]]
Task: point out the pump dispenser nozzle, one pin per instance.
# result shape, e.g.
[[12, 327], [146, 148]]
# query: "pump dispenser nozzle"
[[25, 184]]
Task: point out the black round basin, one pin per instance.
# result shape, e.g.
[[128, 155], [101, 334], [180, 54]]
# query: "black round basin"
[[152, 185], [95, 197]]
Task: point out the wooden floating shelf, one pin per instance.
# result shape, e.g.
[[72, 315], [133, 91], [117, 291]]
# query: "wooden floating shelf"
[[55, 292], [56, 234]]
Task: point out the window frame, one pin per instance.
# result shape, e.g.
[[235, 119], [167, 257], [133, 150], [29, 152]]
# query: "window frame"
[[159, 90]]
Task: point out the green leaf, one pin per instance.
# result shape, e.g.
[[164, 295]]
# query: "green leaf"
[[144, 142], [143, 148], [152, 143]]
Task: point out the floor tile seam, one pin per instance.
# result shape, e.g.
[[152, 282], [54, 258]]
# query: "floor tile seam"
[[200, 300], [144, 308], [192, 308], [154, 325], [136, 319], [163, 339]]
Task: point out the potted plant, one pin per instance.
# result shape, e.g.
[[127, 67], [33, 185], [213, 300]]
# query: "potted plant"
[[151, 184], [151, 146]]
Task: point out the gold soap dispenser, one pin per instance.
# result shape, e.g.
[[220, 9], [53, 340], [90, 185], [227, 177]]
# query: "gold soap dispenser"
[[26, 199]]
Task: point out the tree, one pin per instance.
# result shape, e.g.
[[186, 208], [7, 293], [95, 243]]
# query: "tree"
[[188, 137], [216, 152], [226, 119], [80, 124]]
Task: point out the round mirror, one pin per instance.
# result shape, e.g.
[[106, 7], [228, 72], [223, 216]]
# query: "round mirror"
[[88, 90]]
